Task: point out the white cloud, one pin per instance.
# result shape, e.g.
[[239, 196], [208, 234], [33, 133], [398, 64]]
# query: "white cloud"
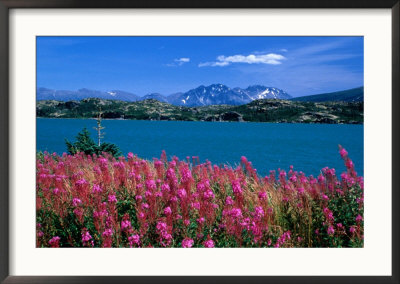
[[182, 60], [179, 61], [270, 58]]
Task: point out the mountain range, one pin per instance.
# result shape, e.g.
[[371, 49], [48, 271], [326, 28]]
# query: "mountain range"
[[215, 94]]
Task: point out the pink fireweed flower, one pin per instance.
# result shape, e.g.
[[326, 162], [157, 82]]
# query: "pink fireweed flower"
[[112, 198], [107, 233], [151, 184], [76, 202], [245, 222], [187, 243], [145, 206], [229, 200], [352, 229], [200, 187], [167, 211], [209, 243], [259, 212], [196, 205], [161, 226], [343, 152], [208, 194], [79, 213], [54, 242], [148, 194], [186, 175], [96, 188], [138, 198], [165, 188], [186, 222], [236, 213], [87, 238], [300, 190], [134, 239], [344, 176], [182, 193], [200, 220], [325, 197], [81, 182], [237, 189], [158, 164], [119, 165], [359, 218], [125, 224], [130, 155], [349, 164], [331, 230], [262, 195], [165, 238], [328, 214], [40, 234], [56, 191]]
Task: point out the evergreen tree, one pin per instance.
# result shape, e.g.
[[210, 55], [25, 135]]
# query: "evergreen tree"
[[84, 143]]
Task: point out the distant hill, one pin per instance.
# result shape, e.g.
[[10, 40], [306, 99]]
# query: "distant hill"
[[155, 96], [351, 95], [64, 95], [264, 110], [215, 94]]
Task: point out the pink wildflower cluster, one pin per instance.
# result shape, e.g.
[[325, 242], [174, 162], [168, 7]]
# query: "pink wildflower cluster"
[[100, 201]]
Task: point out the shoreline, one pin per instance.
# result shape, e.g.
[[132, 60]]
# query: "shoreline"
[[124, 119]]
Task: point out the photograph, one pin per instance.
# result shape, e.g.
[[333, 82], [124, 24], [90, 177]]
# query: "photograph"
[[199, 142]]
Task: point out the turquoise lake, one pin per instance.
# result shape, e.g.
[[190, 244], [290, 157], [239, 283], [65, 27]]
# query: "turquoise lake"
[[269, 146]]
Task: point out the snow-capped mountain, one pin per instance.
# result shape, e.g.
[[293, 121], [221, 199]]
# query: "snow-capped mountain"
[[215, 94], [218, 94], [258, 92]]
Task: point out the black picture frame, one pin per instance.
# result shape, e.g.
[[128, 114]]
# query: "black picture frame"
[[6, 5]]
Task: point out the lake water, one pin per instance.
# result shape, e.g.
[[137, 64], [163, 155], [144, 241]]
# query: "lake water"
[[269, 146]]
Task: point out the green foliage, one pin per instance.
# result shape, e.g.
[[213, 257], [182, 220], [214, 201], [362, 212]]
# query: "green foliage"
[[84, 143], [256, 111]]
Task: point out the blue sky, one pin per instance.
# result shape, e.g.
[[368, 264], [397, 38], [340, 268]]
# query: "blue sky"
[[141, 65]]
